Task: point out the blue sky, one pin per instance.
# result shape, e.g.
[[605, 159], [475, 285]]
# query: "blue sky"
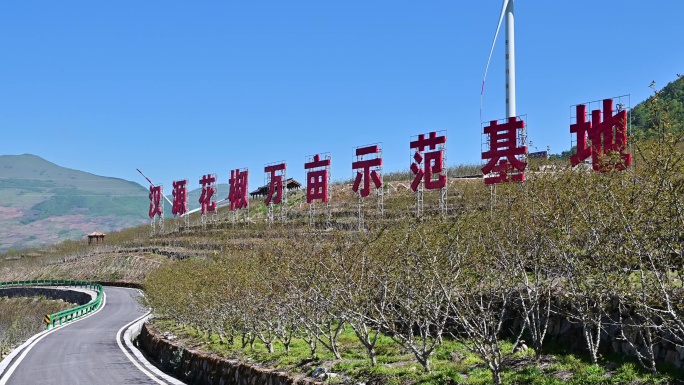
[[181, 89]]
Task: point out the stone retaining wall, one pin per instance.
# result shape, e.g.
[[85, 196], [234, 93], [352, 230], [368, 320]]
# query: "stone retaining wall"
[[199, 368], [570, 336]]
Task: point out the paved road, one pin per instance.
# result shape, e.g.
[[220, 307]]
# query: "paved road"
[[86, 352]]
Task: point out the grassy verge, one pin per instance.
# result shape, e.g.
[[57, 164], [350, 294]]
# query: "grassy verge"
[[20, 318]]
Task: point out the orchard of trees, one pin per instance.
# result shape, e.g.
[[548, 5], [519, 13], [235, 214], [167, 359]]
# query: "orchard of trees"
[[603, 250]]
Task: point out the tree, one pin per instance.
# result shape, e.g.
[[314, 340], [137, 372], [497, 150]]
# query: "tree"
[[415, 271], [651, 117]]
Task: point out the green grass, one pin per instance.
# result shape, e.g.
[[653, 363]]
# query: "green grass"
[[451, 362]]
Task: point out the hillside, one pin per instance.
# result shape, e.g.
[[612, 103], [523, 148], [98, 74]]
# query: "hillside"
[[488, 243], [491, 241], [670, 101], [42, 203]]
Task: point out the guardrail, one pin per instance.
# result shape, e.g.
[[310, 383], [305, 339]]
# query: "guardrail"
[[64, 316]]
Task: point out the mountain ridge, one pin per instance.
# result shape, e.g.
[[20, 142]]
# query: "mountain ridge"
[[27, 163], [42, 202]]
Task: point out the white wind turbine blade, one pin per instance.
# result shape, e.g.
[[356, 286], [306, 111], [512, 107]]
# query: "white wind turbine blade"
[[199, 208], [148, 179], [491, 52], [191, 211]]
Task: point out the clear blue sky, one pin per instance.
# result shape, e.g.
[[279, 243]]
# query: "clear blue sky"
[[180, 88]]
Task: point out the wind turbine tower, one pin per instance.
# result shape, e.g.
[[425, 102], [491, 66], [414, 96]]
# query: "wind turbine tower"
[[507, 13]]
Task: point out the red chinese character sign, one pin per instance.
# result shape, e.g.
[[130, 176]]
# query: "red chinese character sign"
[[180, 197], [207, 199], [237, 194], [428, 155], [368, 169], [180, 202], [506, 151], [317, 181], [368, 166], [156, 212], [276, 176], [604, 137]]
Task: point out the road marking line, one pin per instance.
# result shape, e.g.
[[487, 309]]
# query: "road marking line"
[[5, 376], [137, 365], [149, 367], [140, 358]]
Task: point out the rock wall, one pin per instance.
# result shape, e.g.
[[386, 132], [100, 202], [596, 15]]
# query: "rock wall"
[[65, 294], [570, 336], [199, 368]]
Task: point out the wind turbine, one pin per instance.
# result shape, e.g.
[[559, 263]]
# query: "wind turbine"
[[507, 12], [148, 179]]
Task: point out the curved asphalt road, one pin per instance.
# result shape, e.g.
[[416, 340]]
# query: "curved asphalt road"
[[86, 352]]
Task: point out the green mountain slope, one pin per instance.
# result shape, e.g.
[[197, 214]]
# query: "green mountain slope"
[[665, 107], [41, 202]]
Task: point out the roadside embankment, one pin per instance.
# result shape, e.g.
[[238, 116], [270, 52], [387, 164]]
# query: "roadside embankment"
[[196, 367]]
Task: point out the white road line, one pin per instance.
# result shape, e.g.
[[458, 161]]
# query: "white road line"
[[35, 339], [137, 365], [149, 369]]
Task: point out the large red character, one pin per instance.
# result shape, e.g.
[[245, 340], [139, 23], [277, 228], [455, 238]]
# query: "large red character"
[[317, 179], [609, 136], [434, 162], [503, 144], [367, 174], [180, 197], [206, 199], [275, 187], [237, 195], [155, 201]]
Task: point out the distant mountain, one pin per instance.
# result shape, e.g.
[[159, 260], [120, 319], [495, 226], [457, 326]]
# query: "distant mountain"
[[43, 203]]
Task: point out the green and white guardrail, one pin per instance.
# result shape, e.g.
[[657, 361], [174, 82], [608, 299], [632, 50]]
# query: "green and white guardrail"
[[64, 316]]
